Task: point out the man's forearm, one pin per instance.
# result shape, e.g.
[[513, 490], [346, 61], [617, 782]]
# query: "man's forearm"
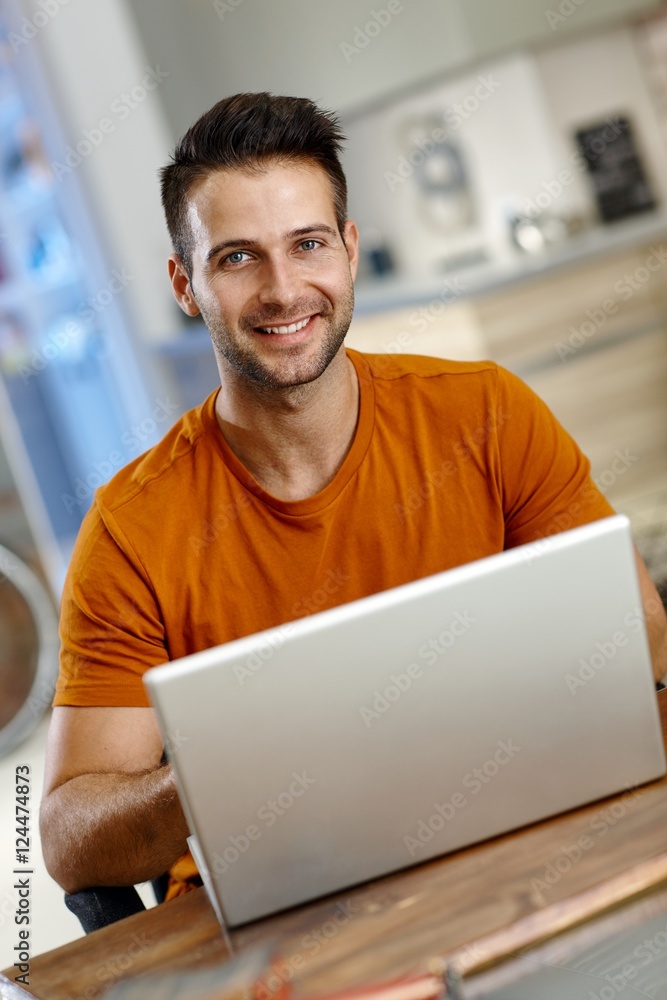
[[655, 618], [656, 627], [112, 829]]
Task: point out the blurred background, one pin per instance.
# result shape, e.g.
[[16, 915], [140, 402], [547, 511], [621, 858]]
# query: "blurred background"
[[506, 165]]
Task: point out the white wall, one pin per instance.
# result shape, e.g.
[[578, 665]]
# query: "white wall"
[[495, 24], [306, 48]]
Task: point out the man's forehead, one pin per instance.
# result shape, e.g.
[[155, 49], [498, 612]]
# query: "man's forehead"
[[257, 194]]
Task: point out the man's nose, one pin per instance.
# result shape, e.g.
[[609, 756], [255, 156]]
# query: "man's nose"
[[280, 282]]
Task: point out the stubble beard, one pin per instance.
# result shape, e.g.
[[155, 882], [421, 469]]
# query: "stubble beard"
[[286, 371]]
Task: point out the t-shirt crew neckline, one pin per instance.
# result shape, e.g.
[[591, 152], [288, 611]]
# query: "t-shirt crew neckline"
[[352, 461]]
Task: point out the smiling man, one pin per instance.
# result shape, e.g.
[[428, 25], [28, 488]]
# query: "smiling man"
[[276, 294], [286, 490]]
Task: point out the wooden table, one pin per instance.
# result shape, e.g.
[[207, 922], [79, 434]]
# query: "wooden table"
[[487, 900]]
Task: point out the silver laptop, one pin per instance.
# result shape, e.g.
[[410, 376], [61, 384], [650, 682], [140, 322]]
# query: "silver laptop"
[[373, 736]]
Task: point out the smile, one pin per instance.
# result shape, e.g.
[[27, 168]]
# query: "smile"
[[292, 328]]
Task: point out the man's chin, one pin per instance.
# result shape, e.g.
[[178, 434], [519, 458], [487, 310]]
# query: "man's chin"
[[283, 373], [275, 379]]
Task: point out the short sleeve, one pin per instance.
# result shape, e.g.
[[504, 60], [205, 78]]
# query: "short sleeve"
[[546, 481], [110, 626]]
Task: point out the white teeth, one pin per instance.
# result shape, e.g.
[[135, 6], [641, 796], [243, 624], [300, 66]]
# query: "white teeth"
[[292, 328]]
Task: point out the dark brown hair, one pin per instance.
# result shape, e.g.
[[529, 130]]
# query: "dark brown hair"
[[245, 131]]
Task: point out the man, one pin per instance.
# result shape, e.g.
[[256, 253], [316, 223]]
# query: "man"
[[289, 482]]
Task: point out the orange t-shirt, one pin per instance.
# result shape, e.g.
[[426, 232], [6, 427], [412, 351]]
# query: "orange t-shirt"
[[183, 549]]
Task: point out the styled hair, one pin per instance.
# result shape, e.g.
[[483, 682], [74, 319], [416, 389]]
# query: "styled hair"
[[246, 131]]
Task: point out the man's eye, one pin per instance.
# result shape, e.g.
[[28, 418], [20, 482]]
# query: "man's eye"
[[236, 257], [309, 244]]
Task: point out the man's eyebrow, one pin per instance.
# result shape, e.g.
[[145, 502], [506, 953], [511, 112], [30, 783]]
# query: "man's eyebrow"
[[228, 245], [318, 227]]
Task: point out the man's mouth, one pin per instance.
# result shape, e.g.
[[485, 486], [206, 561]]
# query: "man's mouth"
[[291, 328]]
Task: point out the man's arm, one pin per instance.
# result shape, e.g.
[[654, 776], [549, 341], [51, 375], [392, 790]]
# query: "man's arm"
[[656, 619], [110, 813]]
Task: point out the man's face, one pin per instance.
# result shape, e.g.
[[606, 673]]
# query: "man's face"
[[271, 274]]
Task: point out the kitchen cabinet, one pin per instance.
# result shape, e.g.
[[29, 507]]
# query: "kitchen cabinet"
[[589, 338], [592, 342]]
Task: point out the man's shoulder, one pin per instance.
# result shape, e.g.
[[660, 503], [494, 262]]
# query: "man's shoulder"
[[392, 367], [155, 468]]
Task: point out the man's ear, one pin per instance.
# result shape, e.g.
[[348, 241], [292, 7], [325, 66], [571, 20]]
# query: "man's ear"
[[181, 287], [351, 240]]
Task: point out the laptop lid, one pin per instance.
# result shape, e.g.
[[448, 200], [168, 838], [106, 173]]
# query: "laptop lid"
[[372, 736]]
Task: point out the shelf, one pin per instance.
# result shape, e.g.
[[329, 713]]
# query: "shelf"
[[396, 292]]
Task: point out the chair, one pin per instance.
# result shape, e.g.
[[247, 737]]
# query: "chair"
[[104, 905]]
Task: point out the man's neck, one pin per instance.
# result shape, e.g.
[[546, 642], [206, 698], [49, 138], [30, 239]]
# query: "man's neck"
[[292, 441]]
